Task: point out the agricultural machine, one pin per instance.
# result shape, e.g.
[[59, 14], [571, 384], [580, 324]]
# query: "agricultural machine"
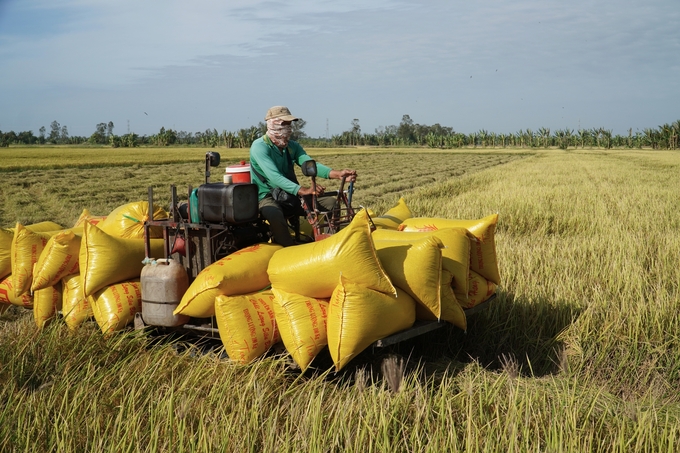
[[219, 219]]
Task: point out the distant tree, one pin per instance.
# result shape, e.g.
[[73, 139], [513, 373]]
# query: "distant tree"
[[41, 136], [55, 132], [262, 128], [109, 129], [544, 133], [405, 130], [298, 133], [130, 140], [164, 137], [27, 138], [64, 134], [355, 132], [228, 139], [99, 135], [356, 128]]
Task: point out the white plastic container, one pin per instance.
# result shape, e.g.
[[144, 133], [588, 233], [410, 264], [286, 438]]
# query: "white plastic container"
[[164, 282]]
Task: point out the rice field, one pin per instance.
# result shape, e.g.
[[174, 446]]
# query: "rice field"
[[579, 352]]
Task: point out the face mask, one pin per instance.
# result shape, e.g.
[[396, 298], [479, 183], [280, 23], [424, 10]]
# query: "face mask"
[[279, 133]]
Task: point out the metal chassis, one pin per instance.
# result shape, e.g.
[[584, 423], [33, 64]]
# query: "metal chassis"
[[204, 232]]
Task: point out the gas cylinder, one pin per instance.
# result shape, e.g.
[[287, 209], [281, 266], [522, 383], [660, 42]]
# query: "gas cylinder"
[[164, 282]]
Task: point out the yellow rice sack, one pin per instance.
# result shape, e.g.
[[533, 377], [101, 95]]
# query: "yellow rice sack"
[[114, 307], [46, 304], [455, 254], [127, 221], [75, 307], [58, 259], [43, 226], [6, 237], [450, 309], [26, 247], [483, 258], [415, 268], [105, 260], [86, 216], [313, 269], [247, 325], [359, 316], [394, 216], [242, 272], [7, 294], [301, 321], [480, 289]]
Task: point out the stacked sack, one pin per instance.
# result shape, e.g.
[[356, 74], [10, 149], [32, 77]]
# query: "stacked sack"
[[474, 275], [234, 290], [110, 263], [19, 248], [89, 270], [344, 292], [340, 284], [372, 279]]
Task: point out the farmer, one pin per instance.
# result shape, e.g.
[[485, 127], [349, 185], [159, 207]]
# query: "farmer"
[[271, 166]]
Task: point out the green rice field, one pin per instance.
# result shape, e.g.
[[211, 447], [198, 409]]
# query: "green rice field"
[[579, 352]]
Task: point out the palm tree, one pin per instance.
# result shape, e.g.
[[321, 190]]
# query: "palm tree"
[[483, 137], [650, 137], [583, 135], [544, 133], [676, 134], [473, 139]]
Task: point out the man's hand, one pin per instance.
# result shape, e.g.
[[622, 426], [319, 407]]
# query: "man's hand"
[[308, 190], [350, 175]]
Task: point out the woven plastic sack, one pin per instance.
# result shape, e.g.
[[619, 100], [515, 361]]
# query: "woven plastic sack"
[[114, 307], [483, 258], [6, 237], [415, 268], [58, 259], [313, 269], [359, 316], [7, 294], [455, 254], [105, 260], [301, 321], [43, 226], [451, 309], [394, 216], [75, 307], [247, 325], [242, 272], [86, 216], [26, 247], [480, 289], [46, 304], [127, 221]]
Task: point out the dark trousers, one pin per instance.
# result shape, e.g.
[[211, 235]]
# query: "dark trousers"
[[278, 224]]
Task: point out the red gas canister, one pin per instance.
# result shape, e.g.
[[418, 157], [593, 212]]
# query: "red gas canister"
[[239, 173]]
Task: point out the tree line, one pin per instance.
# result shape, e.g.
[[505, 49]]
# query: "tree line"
[[406, 134]]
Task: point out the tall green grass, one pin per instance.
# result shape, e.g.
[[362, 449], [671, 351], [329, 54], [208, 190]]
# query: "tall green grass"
[[580, 351]]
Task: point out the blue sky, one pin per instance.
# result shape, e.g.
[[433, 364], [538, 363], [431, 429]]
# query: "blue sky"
[[496, 65]]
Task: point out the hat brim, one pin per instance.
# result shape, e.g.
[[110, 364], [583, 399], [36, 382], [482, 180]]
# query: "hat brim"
[[284, 118]]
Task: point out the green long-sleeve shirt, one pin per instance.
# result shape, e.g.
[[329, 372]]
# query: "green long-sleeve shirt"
[[271, 162]]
